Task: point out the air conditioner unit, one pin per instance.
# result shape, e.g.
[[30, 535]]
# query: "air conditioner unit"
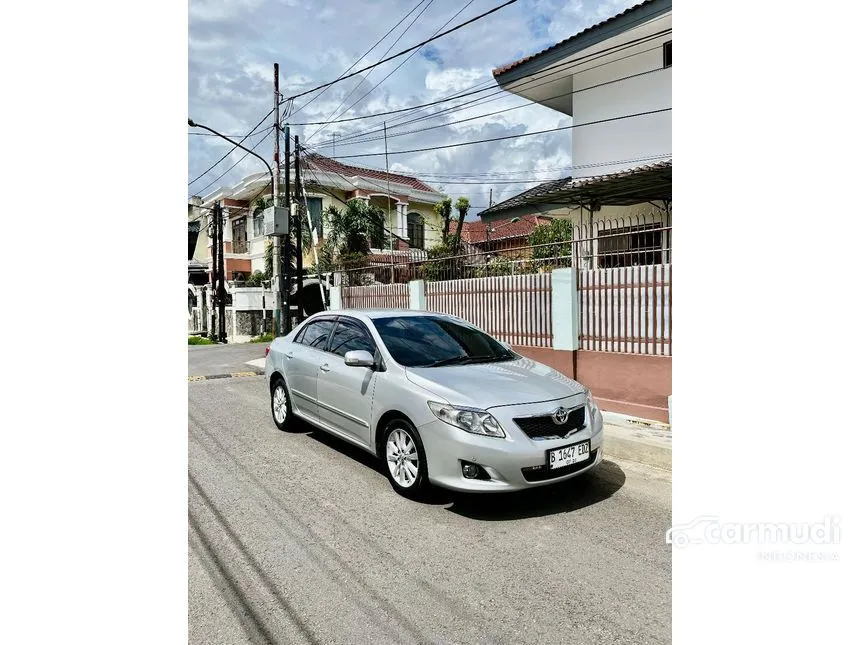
[[276, 220]]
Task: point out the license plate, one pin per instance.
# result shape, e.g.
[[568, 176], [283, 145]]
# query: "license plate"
[[569, 455]]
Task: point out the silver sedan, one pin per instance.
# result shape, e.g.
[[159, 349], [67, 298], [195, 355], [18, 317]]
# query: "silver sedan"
[[437, 399]]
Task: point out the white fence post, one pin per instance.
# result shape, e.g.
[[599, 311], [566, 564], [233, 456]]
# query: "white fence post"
[[417, 297], [334, 298], [565, 310]]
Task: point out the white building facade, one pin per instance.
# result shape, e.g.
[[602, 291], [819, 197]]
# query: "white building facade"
[[615, 80]]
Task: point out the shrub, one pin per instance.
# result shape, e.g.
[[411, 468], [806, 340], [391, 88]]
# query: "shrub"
[[199, 340], [263, 338]]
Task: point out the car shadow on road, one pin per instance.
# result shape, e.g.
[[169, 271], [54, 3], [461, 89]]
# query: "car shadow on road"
[[434, 497], [573, 494], [564, 497]]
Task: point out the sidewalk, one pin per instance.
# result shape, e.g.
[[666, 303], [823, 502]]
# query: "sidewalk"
[[640, 440]]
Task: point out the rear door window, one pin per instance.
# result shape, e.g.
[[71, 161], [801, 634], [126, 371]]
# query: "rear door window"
[[316, 334]]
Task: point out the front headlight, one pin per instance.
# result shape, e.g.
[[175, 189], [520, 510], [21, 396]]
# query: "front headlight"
[[469, 419], [593, 410]]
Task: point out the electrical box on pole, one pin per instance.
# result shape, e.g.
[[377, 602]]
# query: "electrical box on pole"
[[276, 221]]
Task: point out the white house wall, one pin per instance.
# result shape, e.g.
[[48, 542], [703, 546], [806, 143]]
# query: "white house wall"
[[609, 147]]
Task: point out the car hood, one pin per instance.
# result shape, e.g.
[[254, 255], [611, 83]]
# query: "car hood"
[[489, 385]]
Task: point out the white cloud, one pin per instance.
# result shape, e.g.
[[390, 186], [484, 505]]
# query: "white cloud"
[[233, 43], [453, 79]]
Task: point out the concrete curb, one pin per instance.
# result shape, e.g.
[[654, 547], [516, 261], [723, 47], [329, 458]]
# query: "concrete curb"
[[212, 377], [640, 440]]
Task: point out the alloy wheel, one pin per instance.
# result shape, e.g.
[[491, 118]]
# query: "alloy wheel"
[[279, 403], [402, 457]]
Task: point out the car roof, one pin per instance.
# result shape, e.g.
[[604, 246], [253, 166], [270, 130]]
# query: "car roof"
[[379, 313]]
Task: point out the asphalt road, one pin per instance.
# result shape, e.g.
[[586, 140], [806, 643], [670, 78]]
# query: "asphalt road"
[[299, 538], [211, 360]]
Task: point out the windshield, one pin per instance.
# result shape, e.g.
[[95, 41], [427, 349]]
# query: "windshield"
[[431, 341]]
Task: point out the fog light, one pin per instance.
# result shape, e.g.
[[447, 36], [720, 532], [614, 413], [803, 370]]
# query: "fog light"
[[470, 471]]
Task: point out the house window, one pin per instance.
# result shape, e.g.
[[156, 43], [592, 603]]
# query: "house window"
[[415, 230], [240, 236], [630, 246], [258, 224], [667, 54], [315, 210]]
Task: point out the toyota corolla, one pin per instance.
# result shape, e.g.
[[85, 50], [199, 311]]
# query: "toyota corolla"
[[438, 400]]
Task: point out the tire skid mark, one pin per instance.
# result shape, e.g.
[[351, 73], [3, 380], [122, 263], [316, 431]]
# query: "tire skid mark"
[[355, 532], [270, 586], [252, 622], [307, 540]]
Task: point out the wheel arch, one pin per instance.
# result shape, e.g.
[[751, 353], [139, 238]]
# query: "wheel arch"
[[378, 437], [276, 375]]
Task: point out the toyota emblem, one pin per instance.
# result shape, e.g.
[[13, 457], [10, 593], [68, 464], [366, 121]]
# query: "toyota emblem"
[[559, 416]]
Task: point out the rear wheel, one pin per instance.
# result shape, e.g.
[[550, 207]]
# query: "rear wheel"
[[282, 411], [406, 464]]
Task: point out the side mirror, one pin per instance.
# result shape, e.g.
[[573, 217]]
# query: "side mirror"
[[359, 358]]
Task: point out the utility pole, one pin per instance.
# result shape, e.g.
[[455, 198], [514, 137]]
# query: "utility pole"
[[213, 291], [222, 294], [299, 259], [277, 278], [491, 197], [385, 136], [287, 312]]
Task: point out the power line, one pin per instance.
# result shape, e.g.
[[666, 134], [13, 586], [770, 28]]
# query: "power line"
[[240, 160], [390, 47], [554, 68], [407, 109], [209, 134], [530, 84], [405, 51], [232, 149], [484, 116], [358, 60], [450, 20], [490, 99], [511, 136]]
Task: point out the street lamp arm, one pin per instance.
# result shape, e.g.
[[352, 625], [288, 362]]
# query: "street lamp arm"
[[238, 145]]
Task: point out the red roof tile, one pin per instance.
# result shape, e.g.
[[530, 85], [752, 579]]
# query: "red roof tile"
[[477, 232], [325, 164]]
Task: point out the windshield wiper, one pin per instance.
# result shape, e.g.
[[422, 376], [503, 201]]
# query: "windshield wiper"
[[454, 360], [464, 360]]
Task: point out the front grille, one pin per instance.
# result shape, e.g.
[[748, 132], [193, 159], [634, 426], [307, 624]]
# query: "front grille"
[[545, 427], [544, 473]]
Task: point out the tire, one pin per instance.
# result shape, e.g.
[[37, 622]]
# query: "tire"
[[281, 406], [405, 461]]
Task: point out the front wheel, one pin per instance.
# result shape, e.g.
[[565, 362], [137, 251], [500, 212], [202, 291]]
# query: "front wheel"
[[406, 464]]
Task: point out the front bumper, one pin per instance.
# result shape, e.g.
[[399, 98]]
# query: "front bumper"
[[503, 460]]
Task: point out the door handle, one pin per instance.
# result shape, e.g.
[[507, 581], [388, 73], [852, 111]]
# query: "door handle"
[[289, 356], [325, 367]]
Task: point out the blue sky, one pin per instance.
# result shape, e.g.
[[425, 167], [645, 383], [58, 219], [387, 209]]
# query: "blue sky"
[[233, 44]]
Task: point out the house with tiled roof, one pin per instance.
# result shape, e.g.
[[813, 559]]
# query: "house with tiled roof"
[[505, 237], [406, 202], [614, 80]]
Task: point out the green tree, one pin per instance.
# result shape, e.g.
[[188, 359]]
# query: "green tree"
[[556, 236], [351, 234], [462, 207], [443, 210]]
